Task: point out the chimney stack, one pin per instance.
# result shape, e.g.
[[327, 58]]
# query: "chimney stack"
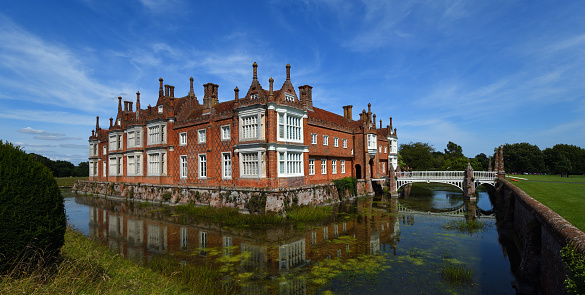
[[380, 123], [160, 89], [288, 72], [255, 72], [119, 103], [271, 82], [172, 89], [210, 95], [137, 105], [111, 121], [347, 112], [167, 89], [374, 121], [237, 93], [97, 123], [191, 92], [306, 96], [130, 105]]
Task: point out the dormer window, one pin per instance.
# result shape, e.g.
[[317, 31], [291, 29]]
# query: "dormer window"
[[119, 123], [254, 96], [160, 109], [289, 97]]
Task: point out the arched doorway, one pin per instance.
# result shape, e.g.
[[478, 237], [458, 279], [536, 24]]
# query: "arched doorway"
[[358, 171]]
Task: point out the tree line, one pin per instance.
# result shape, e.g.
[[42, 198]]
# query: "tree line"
[[62, 168], [561, 159]]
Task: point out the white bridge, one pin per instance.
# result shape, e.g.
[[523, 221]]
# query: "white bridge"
[[455, 178]]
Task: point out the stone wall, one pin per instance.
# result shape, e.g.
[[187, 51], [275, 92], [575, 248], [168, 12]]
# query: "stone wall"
[[247, 200], [538, 234]]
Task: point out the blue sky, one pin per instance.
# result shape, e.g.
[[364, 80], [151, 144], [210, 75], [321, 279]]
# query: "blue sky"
[[478, 73]]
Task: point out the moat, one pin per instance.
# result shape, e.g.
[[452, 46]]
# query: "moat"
[[368, 246]]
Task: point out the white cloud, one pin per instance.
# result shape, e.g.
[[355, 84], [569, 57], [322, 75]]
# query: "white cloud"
[[59, 117]]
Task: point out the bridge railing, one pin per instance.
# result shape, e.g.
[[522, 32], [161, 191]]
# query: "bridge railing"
[[446, 175], [431, 174], [485, 175]]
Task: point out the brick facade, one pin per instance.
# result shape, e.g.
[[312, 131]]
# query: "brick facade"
[[267, 139]]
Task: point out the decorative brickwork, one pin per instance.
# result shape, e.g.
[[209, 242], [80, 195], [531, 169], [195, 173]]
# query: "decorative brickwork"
[[267, 140]]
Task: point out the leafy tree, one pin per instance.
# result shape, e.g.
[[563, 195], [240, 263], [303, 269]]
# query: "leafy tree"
[[453, 151], [574, 154], [32, 215], [81, 170], [417, 155], [523, 157], [563, 166], [483, 162]]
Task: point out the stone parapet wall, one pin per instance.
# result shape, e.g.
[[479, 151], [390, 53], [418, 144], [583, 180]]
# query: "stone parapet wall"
[[247, 200], [539, 234]]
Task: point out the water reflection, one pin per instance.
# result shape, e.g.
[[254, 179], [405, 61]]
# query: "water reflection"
[[393, 244]]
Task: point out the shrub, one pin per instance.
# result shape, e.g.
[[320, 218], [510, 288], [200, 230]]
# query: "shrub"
[[575, 264], [346, 184], [32, 215]]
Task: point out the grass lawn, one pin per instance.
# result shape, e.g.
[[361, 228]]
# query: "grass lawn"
[[68, 181], [566, 196], [88, 267]]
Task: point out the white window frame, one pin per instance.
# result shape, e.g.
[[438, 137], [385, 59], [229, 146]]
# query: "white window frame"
[[333, 166], [311, 166], [105, 168], [372, 142], [325, 139], [156, 133], [130, 139], [183, 166], [342, 164], [289, 97], [251, 124], [201, 136], [156, 163], [252, 162], [225, 132], [335, 142], [385, 150], [202, 164], [313, 138], [183, 138], [290, 126], [226, 165], [344, 143], [323, 166], [290, 163], [160, 109], [130, 165]]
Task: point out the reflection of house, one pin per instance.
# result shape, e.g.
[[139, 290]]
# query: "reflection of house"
[[273, 250], [267, 138]]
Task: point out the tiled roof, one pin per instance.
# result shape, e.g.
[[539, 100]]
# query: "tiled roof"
[[323, 115]]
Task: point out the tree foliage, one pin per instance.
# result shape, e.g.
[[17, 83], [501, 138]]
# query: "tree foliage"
[[32, 215], [523, 157], [62, 168], [565, 159], [417, 155]]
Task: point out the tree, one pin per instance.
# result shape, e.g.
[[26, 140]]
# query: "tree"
[[417, 155], [574, 154], [483, 162], [523, 157], [32, 215], [81, 170], [453, 151]]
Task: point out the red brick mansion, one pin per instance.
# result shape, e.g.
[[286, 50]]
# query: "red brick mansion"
[[265, 138]]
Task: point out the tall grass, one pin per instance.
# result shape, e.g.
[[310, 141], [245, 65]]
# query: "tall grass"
[[86, 267], [457, 274]]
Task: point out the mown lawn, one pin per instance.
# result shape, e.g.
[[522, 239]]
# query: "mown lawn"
[[566, 196]]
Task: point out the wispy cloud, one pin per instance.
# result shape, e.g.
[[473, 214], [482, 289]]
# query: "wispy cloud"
[[44, 72], [59, 117], [38, 131]]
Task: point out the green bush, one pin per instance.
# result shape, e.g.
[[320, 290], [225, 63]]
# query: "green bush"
[[575, 263], [346, 184], [32, 214]]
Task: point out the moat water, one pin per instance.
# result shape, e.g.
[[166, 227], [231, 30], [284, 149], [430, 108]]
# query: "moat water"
[[369, 246]]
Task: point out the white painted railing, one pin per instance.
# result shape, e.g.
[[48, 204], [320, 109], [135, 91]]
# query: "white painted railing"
[[445, 175]]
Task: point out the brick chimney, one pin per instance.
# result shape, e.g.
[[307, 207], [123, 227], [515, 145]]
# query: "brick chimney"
[[288, 72], [210, 95], [270, 92], [191, 92], [236, 93], [347, 112], [138, 105], [167, 87], [255, 71], [160, 89], [119, 103], [97, 123], [306, 96]]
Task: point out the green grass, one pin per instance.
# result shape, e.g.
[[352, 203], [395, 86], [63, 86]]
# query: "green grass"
[[86, 267], [68, 181], [566, 196]]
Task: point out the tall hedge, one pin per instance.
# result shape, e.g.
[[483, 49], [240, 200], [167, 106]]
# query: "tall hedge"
[[32, 212]]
